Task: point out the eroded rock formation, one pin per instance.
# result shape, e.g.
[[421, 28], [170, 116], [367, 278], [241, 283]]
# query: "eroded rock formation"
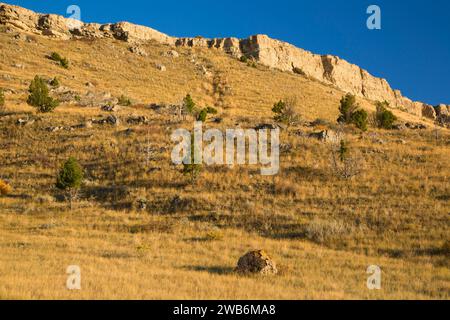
[[267, 51]]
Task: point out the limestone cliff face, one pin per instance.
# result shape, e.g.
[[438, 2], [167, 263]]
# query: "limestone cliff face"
[[270, 52]]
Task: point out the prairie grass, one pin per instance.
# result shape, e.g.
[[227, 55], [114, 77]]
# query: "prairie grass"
[[140, 229]]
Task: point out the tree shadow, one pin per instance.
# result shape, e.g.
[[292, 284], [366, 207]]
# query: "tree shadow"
[[218, 270]]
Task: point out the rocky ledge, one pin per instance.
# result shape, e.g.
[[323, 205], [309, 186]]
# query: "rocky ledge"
[[263, 49]]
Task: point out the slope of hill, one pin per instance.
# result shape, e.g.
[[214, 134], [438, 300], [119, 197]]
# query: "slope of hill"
[[141, 229]]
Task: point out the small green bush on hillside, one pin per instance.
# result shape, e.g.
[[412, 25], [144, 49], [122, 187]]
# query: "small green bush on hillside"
[[64, 62], [350, 113], [125, 101], [360, 119], [39, 96], [384, 118], [70, 178]]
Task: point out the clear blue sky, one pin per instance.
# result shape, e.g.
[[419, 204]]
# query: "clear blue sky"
[[412, 50]]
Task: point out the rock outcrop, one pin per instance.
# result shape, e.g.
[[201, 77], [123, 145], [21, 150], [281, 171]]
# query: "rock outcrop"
[[273, 53]]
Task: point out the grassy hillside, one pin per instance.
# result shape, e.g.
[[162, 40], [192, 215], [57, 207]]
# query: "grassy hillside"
[[322, 230]]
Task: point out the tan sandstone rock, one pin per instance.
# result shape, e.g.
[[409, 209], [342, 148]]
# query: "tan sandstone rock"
[[428, 112]]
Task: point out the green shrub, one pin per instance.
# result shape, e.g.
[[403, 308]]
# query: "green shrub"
[[39, 97], [70, 178], [346, 109], [343, 150], [202, 115], [351, 114], [384, 118], [244, 59], [2, 98], [360, 119], [124, 101], [285, 113], [211, 110], [64, 62], [191, 169]]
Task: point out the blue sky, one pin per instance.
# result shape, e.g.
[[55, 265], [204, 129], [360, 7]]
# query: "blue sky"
[[412, 50]]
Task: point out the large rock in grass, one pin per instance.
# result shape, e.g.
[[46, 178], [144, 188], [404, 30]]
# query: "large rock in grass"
[[256, 262]]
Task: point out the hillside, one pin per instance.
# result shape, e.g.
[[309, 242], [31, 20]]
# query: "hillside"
[[141, 229]]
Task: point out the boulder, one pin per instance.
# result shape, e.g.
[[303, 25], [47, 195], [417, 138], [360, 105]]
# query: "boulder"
[[256, 262], [161, 67], [138, 50]]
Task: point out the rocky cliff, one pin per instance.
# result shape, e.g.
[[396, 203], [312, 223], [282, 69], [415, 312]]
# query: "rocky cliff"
[[270, 52]]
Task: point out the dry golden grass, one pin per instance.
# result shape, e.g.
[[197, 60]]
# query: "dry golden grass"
[[322, 230]]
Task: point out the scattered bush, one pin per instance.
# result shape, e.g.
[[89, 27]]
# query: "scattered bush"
[[189, 104], [244, 59], [384, 118], [203, 114], [211, 110], [347, 107], [64, 62], [5, 188], [360, 119], [285, 112], [351, 114], [191, 169], [39, 97], [344, 164], [124, 101], [70, 178]]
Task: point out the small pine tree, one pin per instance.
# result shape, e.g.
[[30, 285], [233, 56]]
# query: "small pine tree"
[[39, 97], [70, 178], [202, 115], [285, 113], [344, 164], [384, 118], [2, 98], [343, 150], [360, 119], [190, 168], [347, 107], [189, 104]]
